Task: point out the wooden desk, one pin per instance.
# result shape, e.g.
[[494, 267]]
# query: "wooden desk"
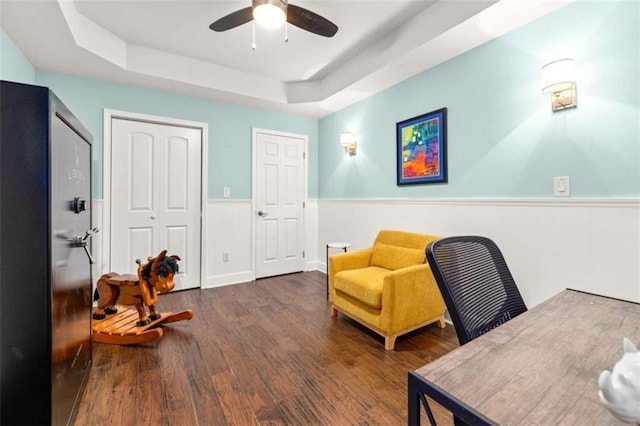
[[540, 368]]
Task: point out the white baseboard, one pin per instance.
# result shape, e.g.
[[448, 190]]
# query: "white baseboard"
[[314, 265], [228, 279]]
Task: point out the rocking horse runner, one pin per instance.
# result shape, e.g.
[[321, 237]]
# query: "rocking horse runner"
[[153, 278]]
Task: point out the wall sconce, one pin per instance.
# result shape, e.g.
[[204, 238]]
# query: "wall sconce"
[[558, 78], [348, 142]]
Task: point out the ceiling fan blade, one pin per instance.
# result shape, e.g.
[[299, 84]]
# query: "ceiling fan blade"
[[309, 21], [233, 20]]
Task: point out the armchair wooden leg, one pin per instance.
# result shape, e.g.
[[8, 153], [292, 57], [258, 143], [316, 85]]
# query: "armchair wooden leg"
[[334, 312], [389, 342], [441, 322]]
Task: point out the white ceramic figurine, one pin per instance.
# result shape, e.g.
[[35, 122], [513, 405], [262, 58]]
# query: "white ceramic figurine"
[[620, 389]]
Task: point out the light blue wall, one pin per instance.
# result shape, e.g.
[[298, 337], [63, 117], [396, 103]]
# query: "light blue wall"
[[229, 126], [13, 65], [503, 139]]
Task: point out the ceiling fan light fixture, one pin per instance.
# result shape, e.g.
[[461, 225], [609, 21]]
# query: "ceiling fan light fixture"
[[270, 13]]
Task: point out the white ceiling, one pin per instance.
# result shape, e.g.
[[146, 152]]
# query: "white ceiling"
[[167, 44]]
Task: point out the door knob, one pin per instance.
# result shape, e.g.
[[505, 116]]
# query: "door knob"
[[262, 214]]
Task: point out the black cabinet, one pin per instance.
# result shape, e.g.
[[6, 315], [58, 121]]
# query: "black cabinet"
[[45, 270]]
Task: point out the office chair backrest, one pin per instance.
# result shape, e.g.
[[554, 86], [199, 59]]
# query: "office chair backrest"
[[476, 284]]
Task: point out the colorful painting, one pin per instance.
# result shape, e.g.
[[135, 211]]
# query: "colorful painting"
[[422, 148]]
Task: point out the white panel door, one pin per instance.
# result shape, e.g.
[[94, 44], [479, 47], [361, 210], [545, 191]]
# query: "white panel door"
[[156, 196], [279, 195]]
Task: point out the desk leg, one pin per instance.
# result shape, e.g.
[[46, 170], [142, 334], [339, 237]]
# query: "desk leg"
[[418, 391], [412, 402], [415, 397]]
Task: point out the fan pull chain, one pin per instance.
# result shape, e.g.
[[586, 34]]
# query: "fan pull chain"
[[253, 43], [286, 32]]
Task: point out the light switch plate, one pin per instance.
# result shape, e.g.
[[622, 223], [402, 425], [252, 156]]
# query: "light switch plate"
[[562, 186]]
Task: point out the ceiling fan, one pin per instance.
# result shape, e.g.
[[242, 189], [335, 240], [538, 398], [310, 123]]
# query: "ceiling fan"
[[278, 11]]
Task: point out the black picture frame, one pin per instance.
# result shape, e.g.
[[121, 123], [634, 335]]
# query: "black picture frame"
[[421, 148]]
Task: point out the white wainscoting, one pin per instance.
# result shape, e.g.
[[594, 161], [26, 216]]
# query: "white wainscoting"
[[312, 254], [228, 230], [591, 245]]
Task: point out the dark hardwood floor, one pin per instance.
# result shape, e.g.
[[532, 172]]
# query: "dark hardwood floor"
[[260, 353]]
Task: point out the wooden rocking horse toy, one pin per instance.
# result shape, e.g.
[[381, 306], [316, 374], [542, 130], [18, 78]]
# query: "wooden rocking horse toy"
[[124, 326]]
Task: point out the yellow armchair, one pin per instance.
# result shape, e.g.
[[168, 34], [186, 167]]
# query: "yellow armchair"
[[389, 287]]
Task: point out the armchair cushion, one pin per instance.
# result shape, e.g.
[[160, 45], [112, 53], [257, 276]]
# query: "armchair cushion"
[[395, 257], [364, 285]]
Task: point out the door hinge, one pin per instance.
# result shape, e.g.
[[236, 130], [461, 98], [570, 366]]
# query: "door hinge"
[[304, 155], [303, 254], [304, 204]]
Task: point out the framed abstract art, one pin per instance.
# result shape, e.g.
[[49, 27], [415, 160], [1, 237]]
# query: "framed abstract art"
[[421, 144]]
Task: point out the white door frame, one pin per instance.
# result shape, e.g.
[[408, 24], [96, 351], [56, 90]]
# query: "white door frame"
[[254, 211], [108, 116]]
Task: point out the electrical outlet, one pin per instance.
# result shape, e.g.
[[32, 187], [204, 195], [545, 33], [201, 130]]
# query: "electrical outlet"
[[226, 192], [225, 257]]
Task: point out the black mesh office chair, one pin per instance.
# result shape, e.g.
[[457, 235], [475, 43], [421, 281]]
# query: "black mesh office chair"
[[476, 284]]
